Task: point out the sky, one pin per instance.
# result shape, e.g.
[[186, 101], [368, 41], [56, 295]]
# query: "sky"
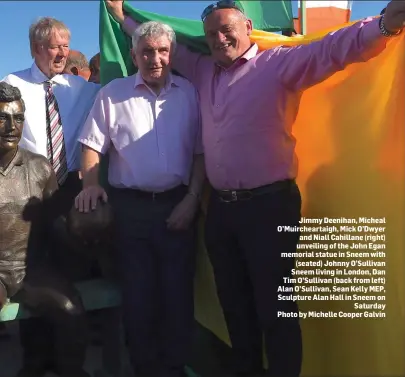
[[82, 19]]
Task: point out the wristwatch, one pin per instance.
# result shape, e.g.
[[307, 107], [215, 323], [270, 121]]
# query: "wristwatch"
[[384, 31]]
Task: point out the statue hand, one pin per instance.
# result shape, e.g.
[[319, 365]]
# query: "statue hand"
[[88, 197]]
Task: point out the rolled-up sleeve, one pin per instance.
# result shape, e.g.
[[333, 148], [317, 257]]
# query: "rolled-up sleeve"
[[306, 65], [95, 133]]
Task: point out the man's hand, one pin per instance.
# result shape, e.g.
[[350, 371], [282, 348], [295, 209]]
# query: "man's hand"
[[394, 18], [183, 214], [88, 198], [115, 7]]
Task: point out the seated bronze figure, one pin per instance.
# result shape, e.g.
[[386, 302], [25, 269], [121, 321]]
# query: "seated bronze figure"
[[27, 185]]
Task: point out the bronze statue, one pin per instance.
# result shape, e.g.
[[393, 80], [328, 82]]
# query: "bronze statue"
[[27, 186]]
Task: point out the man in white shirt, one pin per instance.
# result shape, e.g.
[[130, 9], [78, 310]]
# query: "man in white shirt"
[[56, 108], [149, 124], [49, 43]]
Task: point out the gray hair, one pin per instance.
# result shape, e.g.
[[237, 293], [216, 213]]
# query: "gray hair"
[[41, 31], [9, 93], [155, 30]]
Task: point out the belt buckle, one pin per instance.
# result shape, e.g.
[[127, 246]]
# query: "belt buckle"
[[153, 196], [234, 197]]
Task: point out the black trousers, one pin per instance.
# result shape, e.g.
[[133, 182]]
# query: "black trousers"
[[58, 338], [156, 266], [245, 249]]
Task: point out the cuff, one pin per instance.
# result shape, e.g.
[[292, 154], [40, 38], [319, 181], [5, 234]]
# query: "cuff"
[[91, 144], [371, 30], [129, 25]]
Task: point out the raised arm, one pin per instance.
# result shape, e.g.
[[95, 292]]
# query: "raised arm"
[[188, 64], [306, 65]]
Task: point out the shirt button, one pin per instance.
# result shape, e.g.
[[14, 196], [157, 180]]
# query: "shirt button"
[[162, 154], [217, 105], [217, 166]]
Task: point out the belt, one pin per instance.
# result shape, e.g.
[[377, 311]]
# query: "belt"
[[173, 193], [229, 196]]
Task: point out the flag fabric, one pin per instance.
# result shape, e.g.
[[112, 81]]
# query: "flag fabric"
[[350, 147], [321, 15], [269, 15], [190, 32]]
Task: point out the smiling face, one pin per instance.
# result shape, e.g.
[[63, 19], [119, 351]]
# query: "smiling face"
[[11, 125], [51, 56], [227, 34], [152, 57]]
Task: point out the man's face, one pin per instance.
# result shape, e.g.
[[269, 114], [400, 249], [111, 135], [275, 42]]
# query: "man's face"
[[11, 125], [152, 57], [227, 35], [51, 56]]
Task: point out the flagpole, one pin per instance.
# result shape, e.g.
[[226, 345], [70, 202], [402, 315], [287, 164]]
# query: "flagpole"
[[303, 17]]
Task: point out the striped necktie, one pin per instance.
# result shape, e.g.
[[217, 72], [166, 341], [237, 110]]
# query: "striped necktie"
[[56, 143]]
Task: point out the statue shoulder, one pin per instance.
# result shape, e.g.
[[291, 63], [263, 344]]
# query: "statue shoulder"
[[37, 163]]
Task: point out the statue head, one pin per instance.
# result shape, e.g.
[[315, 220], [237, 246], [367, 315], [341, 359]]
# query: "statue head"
[[49, 43], [12, 110], [92, 226], [77, 65]]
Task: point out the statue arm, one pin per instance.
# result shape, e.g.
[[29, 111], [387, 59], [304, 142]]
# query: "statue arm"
[[51, 185]]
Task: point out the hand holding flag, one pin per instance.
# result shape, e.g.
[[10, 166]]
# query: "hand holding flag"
[[394, 17], [116, 9]]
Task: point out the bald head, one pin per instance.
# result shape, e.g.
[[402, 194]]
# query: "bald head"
[[95, 69], [77, 65]]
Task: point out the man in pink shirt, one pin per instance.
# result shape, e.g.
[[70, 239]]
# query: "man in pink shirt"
[[149, 124], [249, 101]]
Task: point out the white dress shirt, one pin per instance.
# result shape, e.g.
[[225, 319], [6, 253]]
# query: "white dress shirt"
[[75, 97], [151, 139]]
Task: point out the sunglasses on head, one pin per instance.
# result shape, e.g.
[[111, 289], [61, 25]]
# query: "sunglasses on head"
[[221, 4]]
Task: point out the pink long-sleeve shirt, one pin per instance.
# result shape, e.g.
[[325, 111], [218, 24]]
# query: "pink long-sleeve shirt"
[[248, 109]]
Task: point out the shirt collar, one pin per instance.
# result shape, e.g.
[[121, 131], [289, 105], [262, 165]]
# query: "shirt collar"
[[16, 161], [38, 76], [249, 54], [172, 80]]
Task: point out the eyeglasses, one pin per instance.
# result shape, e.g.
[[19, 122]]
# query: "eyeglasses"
[[221, 4]]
